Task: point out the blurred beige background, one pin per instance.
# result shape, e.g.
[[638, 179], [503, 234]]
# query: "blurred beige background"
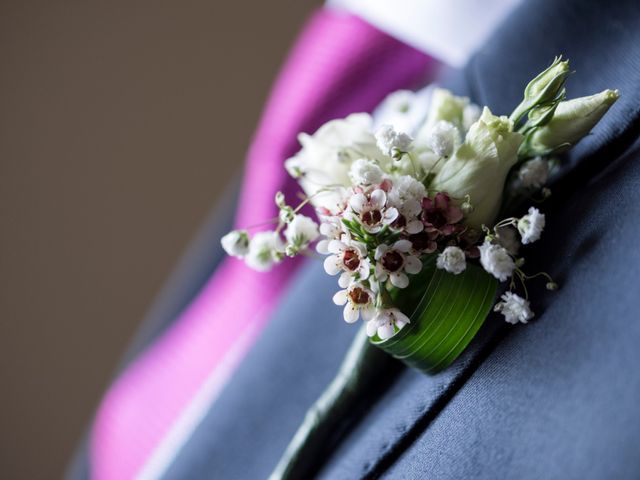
[[120, 122]]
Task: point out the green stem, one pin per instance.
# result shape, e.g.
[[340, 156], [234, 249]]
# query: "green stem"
[[361, 369]]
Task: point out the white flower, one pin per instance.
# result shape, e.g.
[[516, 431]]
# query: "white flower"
[[265, 249], [385, 322], [496, 260], [301, 232], [406, 195], [236, 243], [404, 109], [390, 141], [365, 172], [534, 173], [326, 157], [480, 166], [443, 138], [453, 260], [372, 210], [357, 300], [349, 258], [514, 308], [530, 226], [331, 229], [393, 261], [508, 238], [405, 188]]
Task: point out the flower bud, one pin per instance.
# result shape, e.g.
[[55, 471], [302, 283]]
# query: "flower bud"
[[280, 200], [546, 86], [286, 214], [543, 89], [571, 121]]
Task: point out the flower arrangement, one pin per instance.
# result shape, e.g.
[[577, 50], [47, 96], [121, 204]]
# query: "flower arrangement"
[[389, 200], [421, 216]]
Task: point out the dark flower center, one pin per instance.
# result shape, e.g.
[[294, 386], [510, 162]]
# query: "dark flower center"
[[400, 222], [371, 217], [358, 296], [392, 261], [351, 259], [437, 218], [420, 241]]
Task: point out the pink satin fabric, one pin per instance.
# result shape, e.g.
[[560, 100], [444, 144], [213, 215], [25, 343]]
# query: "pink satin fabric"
[[339, 65]]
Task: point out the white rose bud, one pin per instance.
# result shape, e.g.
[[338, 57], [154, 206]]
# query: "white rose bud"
[[571, 121], [236, 243]]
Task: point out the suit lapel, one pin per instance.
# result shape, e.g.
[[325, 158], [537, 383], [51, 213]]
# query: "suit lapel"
[[598, 38]]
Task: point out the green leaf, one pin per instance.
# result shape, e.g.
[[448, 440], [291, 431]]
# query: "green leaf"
[[448, 310]]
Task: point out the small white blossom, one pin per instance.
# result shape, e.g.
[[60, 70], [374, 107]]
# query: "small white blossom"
[[236, 243], [393, 261], [365, 172], [495, 259], [372, 210], [406, 195], [390, 141], [350, 258], [508, 238], [385, 322], [452, 259], [534, 173], [331, 229], [357, 300], [514, 308], [265, 249], [530, 226], [405, 188], [301, 231], [443, 138]]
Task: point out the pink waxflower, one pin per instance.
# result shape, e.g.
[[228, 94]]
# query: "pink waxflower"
[[372, 210], [440, 215]]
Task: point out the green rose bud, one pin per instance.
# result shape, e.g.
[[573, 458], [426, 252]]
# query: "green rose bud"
[[544, 89], [571, 121], [480, 166]]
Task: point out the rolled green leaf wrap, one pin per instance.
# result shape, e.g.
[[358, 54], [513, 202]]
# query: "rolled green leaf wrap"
[[448, 310], [446, 316]]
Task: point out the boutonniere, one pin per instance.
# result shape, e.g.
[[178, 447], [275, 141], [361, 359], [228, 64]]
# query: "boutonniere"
[[426, 230]]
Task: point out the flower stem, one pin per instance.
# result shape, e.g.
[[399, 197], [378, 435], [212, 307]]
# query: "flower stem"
[[345, 397]]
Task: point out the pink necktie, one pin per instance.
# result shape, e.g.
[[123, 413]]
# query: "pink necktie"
[[339, 65]]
